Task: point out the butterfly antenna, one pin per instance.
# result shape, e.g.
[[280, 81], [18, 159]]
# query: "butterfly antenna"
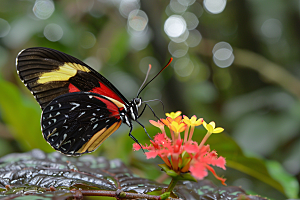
[[149, 68], [140, 90]]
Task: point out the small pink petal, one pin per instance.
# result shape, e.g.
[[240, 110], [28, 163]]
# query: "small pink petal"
[[198, 170], [136, 147], [151, 154], [159, 137], [220, 162], [154, 123], [191, 148]]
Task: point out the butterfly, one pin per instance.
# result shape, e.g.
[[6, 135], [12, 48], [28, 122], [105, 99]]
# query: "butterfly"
[[80, 107]]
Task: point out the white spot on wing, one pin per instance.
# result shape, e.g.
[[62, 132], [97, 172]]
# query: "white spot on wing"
[[82, 113], [55, 134], [75, 105], [95, 126]]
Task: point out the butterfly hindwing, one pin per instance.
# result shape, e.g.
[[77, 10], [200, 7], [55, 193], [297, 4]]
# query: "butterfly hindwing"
[[77, 123], [49, 73]]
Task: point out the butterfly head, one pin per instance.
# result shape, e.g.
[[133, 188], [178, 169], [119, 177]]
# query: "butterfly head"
[[134, 105], [137, 101]]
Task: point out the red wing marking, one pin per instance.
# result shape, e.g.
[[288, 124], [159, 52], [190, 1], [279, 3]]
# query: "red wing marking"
[[111, 107], [102, 90], [72, 88], [105, 91]]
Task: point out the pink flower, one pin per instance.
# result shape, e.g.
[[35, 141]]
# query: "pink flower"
[[184, 155]]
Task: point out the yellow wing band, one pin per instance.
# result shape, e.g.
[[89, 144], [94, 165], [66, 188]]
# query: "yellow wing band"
[[98, 138], [63, 73]]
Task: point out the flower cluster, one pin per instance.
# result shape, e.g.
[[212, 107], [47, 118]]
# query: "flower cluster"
[[184, 157]]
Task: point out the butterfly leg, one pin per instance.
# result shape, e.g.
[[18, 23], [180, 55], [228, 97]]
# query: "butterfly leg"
[[134, 139], [142, 112], [152, 111], [144, 129]]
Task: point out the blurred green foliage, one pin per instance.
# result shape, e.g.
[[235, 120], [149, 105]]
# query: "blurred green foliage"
[[256, 98]]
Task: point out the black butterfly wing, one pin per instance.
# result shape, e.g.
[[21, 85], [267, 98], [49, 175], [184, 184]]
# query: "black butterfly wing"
[[49, 73], [77, 123]]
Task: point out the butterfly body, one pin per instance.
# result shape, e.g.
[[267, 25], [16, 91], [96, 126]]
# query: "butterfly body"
[[81, 108]]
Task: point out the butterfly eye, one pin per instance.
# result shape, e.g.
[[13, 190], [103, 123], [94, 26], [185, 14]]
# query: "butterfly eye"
[[138, 101]]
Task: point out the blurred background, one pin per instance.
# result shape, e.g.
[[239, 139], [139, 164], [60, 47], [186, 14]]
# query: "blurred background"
[[236, 62]]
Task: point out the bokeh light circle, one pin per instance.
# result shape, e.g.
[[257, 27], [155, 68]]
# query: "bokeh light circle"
[[223, 54], [194, 38], [126, 6], [191, 20], [139, 40], [53, 32], [197, 9], [186, 2], [272, 29], [43, 9], [178, 50], [4, 27], [137, 20], [182, 38], [88, 40], [184, 67], [175, 25], [176, 7], [214, 6]]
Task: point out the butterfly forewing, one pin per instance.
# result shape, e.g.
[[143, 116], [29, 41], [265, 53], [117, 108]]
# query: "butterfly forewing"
[[77, 123], [49, 73]]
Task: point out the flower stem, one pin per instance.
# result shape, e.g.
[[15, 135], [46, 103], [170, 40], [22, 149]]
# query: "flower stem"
[[204, 139], [191, 132], [171, 185]]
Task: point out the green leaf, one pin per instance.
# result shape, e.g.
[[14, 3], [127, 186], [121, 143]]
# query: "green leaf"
[[165, 195], [22, 117], [91, 176], [175, 176], [289, 183], [164, 167], [187, 176]]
